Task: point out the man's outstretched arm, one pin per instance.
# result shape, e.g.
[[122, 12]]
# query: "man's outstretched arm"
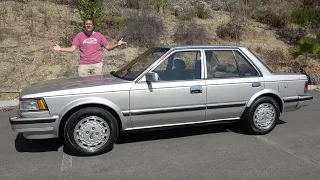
[[70, 49], [111, 47]]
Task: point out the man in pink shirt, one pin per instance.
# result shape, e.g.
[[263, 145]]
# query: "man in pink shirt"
[[89, 44]]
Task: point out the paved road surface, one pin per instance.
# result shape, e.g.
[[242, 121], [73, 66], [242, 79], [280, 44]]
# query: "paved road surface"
[[291, 151]]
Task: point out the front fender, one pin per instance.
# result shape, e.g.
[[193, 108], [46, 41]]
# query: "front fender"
[[96, 100], [267, 92]]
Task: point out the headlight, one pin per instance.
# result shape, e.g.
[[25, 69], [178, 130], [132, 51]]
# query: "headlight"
[[32, 105]]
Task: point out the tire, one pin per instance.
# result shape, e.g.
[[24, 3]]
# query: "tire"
[[100, 129], [272, 106]]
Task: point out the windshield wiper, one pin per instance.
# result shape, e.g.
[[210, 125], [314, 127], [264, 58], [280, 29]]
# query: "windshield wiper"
[[116, 75]]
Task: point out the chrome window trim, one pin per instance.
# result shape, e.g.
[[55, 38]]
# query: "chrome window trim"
[[245, 57], [163, 58]]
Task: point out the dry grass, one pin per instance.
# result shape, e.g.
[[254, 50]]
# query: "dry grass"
[[313, 70], [290, 35], [191, 33], [9, 96], [28, 33], [29, 30], [277, 59], [231, 30], [143, 29]]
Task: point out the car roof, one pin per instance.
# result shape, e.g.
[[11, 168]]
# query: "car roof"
[[200, 46]]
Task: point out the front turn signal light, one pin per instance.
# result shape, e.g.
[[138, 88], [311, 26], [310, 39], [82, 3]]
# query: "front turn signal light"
[[41, 105]]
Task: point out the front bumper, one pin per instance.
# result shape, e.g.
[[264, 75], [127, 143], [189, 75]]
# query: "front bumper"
[[36, 127]]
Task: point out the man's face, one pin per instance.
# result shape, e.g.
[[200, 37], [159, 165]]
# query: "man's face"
[[88, 25]]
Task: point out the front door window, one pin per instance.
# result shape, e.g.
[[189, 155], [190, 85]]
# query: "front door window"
[[184, 65]]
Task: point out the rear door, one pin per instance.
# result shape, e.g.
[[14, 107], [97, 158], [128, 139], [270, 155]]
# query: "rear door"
[[231, 81]]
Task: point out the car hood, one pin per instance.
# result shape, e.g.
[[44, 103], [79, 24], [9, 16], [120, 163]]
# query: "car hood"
[[71, 83]]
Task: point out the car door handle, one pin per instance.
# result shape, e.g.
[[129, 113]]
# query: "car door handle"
[[195, 89], [256, 84]]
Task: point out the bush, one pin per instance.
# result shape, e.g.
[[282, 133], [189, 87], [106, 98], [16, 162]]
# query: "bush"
[[290, 35], [233, 30], [306, 16], [111, 25], [63, 2], [308, 46], [275, 58], [160, 5], [242, 7], [136, 4], [90, 9], [184, 13], [143, 29], [190, 33], [271, 18], [69, 33], [202, 12]]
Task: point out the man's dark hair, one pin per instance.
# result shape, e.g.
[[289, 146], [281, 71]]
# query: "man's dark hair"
[[88, 19]]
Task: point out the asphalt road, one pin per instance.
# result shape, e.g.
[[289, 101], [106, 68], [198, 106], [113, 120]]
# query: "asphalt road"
[[291, 151]]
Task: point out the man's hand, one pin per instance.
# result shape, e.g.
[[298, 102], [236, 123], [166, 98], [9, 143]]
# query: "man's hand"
[[71, 49], [121, 43], [57, 48]]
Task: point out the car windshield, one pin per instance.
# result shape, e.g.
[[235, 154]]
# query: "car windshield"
[[135, 67]]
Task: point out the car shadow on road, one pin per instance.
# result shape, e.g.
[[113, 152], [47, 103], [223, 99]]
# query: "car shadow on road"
[[34, 145], [183, 132], [178, 132], [46, 145], [241, 129]]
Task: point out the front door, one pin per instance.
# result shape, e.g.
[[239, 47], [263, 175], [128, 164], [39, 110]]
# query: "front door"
[[231, 82], [179, 97]]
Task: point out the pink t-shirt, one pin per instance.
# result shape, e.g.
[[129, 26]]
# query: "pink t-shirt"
[[90, 47]]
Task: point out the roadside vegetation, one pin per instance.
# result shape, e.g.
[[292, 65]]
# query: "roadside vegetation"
[[285, 34]]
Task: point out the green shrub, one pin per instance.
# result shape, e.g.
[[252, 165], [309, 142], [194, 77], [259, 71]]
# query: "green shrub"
[[308, 47], [105, 24], [306, 16], [90, 9]]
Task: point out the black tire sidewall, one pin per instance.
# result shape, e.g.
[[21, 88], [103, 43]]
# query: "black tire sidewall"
[[80, 114], [250, 115]]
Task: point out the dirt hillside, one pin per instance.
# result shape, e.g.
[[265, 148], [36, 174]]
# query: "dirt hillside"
[[29, 30]]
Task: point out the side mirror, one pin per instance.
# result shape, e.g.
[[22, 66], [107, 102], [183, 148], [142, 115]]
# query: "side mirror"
[[152, 77]]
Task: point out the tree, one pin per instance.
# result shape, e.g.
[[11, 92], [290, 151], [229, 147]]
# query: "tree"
[[308, 47], [305, 50], [90, 9]]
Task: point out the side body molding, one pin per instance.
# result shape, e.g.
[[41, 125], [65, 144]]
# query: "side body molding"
[[125, 121], [263, 92]]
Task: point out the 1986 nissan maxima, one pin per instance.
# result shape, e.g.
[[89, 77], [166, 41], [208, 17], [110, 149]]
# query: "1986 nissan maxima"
[[164, 86]]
